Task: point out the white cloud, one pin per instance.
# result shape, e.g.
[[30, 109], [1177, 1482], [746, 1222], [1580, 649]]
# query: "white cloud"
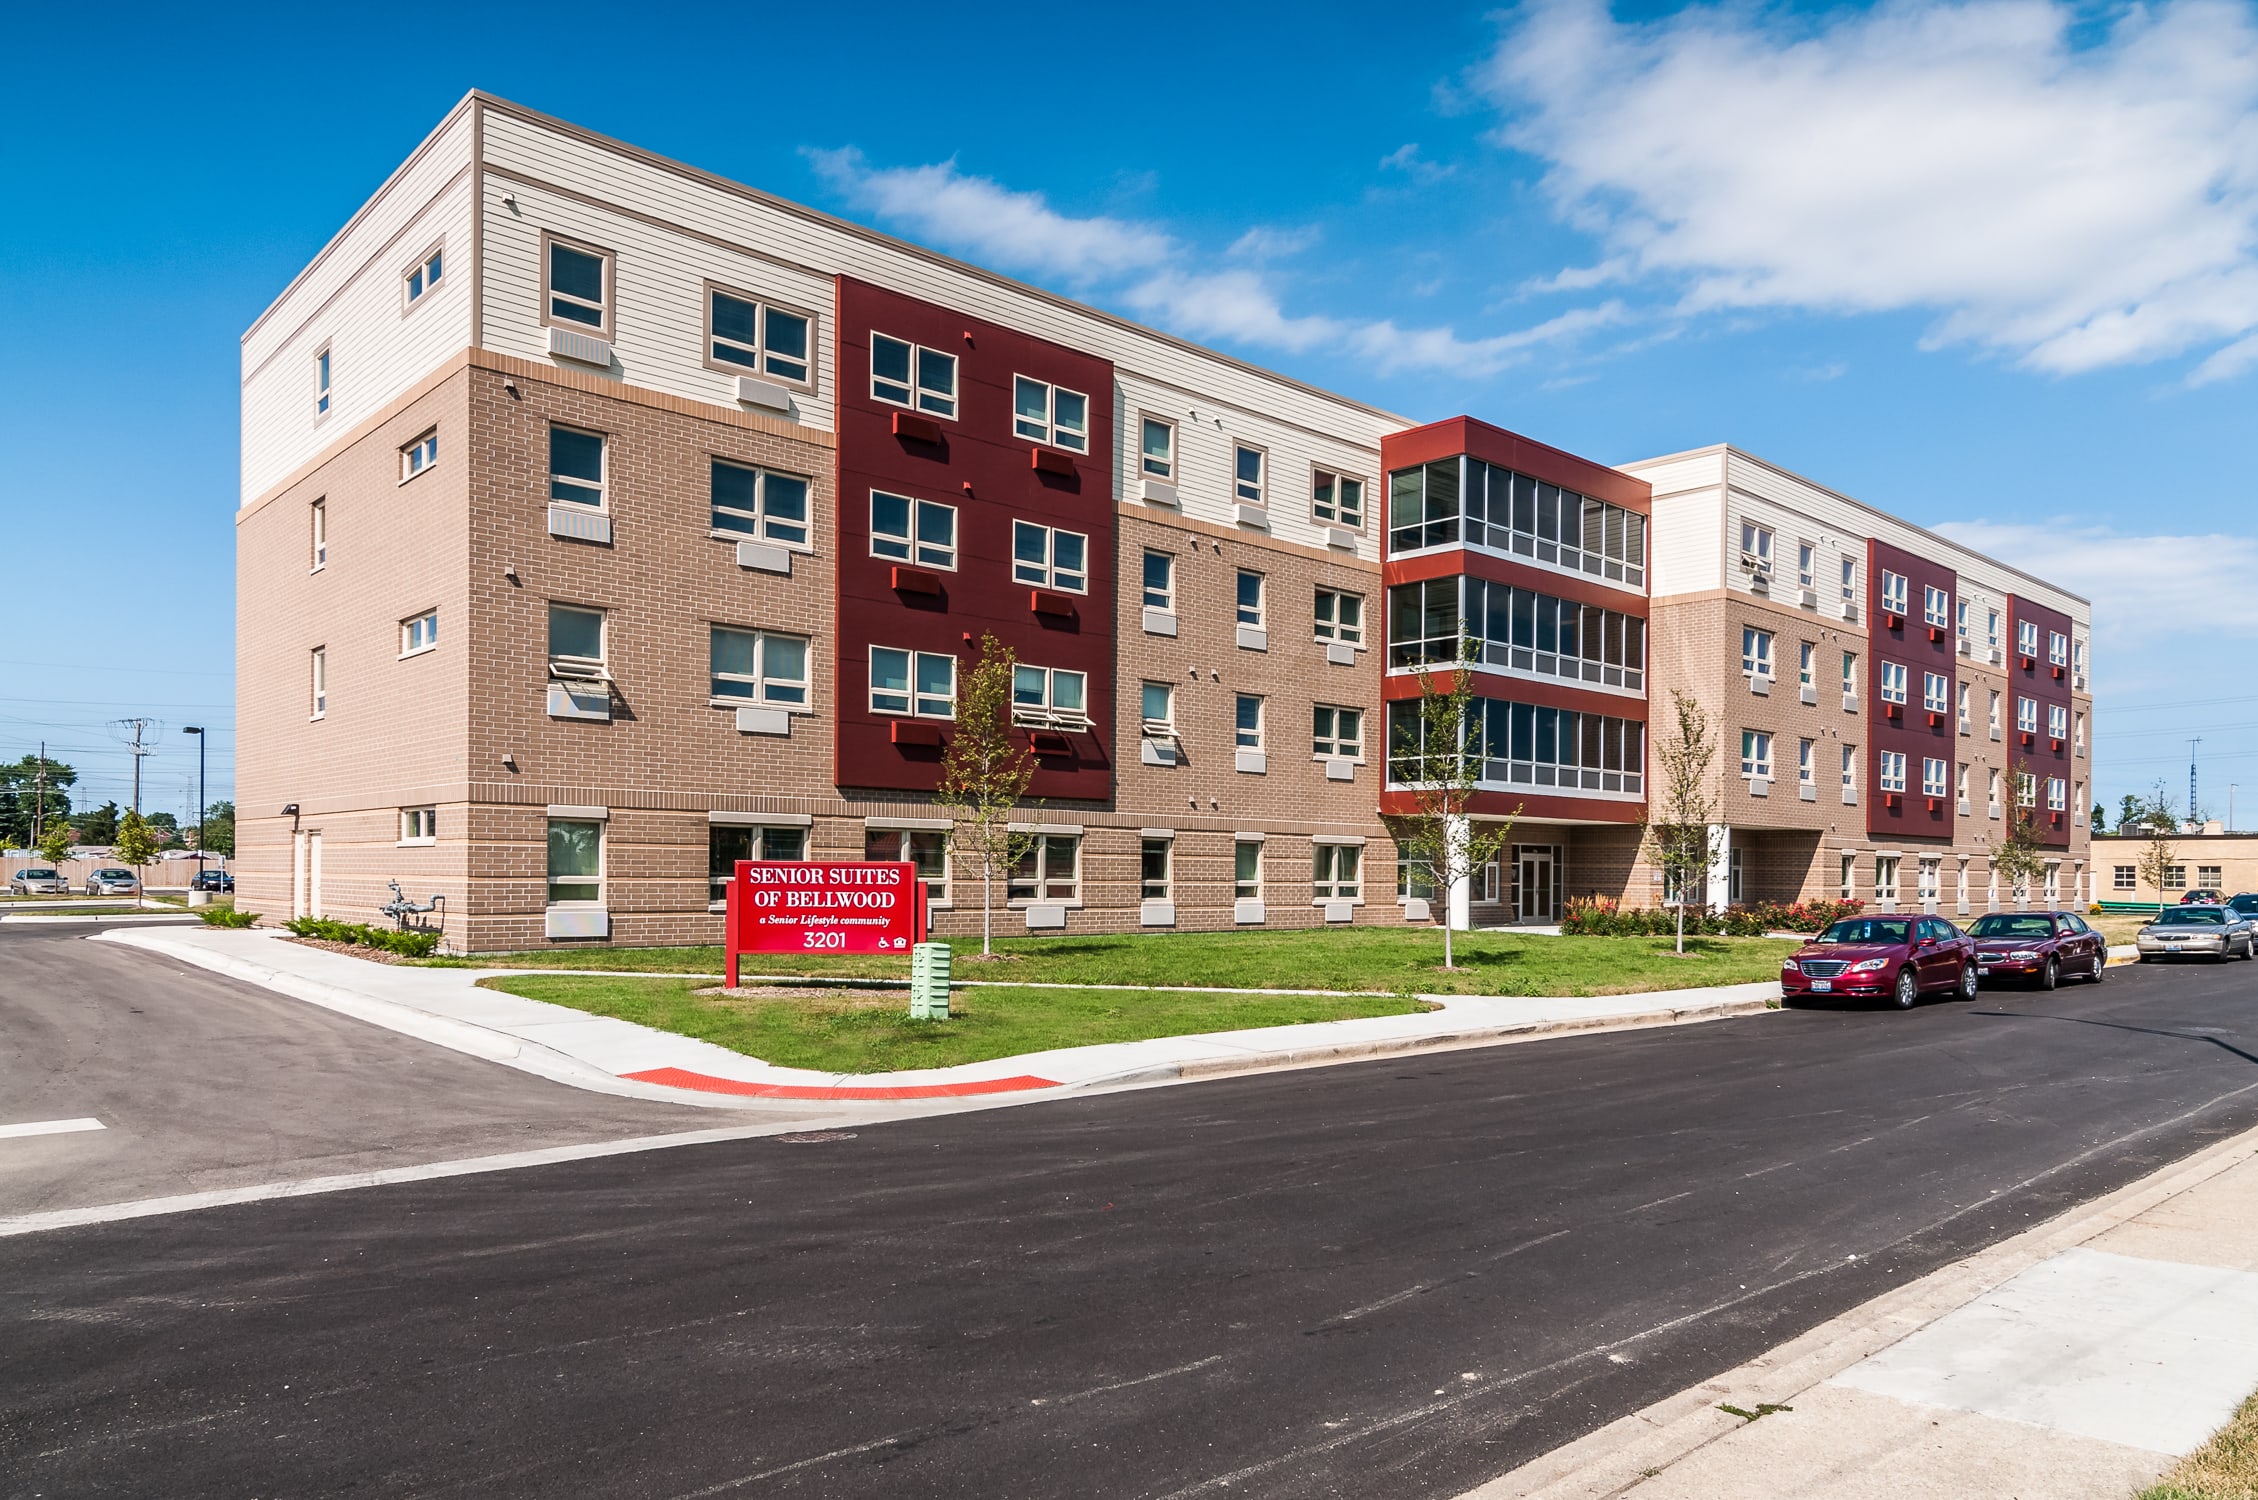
[[1407, 160], [2070, 206], [1159, 277]]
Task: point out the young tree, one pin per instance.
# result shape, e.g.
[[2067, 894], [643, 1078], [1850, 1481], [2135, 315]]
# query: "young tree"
[[1677, 832], [984, 774], [55, 842], [2157, 824], [2020, 856], [135, 846], [1437, 757]]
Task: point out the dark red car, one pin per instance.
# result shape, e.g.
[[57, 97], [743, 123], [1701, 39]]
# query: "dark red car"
[[2042, 947], [1897, 958]]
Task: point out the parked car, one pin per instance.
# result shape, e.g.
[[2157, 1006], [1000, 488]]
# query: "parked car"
[[2202, 897], [112, 882], [212, 880], [2218, 932], [2042, 947], [1893, 957], [38, 881], [2246, 903]]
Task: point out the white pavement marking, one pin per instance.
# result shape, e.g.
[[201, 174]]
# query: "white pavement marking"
[[51, 1127], [2146, 1353]]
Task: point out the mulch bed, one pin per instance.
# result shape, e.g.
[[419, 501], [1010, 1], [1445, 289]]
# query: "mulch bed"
[[350, 950]]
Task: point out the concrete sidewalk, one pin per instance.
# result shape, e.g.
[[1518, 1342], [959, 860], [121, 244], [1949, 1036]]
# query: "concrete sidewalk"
[[446, 1007], [2076, 1361]]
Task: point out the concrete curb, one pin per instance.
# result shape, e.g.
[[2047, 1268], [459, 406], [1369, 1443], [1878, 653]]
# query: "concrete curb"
[[166, 918], [1632, 1449]]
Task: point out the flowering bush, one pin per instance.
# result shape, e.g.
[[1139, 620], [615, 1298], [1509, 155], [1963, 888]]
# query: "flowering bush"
[[1599, 916]]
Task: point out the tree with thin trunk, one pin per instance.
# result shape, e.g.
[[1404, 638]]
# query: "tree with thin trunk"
[[136, 845], [2157, 824], [1678, 830], [2021, 856], [55, 842], [984, 774], [1437, 757]]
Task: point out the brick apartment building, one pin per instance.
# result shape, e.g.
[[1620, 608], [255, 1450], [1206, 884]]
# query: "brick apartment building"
[[604, 522]]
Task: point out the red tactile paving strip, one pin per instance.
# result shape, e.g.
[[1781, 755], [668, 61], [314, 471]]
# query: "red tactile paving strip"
[[680, 1078]]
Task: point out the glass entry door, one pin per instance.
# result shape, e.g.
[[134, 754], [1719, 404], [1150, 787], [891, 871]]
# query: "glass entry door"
[[1534, 889]]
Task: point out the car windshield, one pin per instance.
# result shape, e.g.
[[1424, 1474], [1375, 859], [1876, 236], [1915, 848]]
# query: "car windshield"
[[2002, 925], [115, 874], [2244, 903], [2193, 916], [39, 875], [1868, 930]]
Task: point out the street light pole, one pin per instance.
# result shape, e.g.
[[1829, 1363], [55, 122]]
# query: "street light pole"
[[198, 731]]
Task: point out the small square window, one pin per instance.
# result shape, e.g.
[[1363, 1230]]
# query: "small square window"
[[576, 641], [419, 456], [1156, 704], [1340, 616], [1157, 449], [419, 825], [419, 633], [1045, 413], [919, 683], [906, 374], [1338, 499], [923, 532], [1337, 732], [423, 277], [750, 336], [758, 666], [1050, 559]]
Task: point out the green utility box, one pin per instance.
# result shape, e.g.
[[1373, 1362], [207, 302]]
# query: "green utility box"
[[929, 982]]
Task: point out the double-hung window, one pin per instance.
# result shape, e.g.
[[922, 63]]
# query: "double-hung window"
[[1248, 476], [2057, 648], [758, 666], [928, 849], [320, 676], [419, 825], [2026, 638], [1936, 692], [423, 277], [576, 466], [2026, 789], [2057, 794], [1050, 698], [579, 287], [1994, 719], [1894, 591], [1160, 581], [1337, 732], [746, 333], [1850, 768], [1336, 872], [1246, 870], [2057, 721], [1756, 755], [749, 502], [1050, 870], [913, 531], [1936, 606], [2026, 715], [727, 843], [1756, 652], [576, 862], [1247, 722], [419, 455], [1963, 708], [1850, 673], [321, 382], [1340, 617], [918, 683], [1804, 665], [1893, 770], [320, 510], [1806, 565], [1806, 771], [1044, 413], [419, 633], [1250, 597], [1893, 682], [1960, 785], [1932, 776], [1154, 859], [1156, 448], [1050, 559], [1338, 499], [906, 374], [1849, 588]]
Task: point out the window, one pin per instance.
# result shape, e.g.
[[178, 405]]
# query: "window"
[[1155, 857], [1415, 880], [1928, 891], [1961, 627], [926, 848], [1806, 565], [1756, 754], [913, 531], [758, 666], [1806, 770], [1050, 414], [904, 374], [1160, 581], [1423, 505], [2026, 789], [921, 683], [420, 633], [579, 289], [1515, 628], [1756, 547], [1893, 682], [1049, 698], [2057, 648], [1337, 498], [1524, 745], [1050, 870], [1933, 777], [2057, 721], [1803, 666], [2175, 877], [1893, 770], [1050, 559], [727, 843], [1335, 872], [1247, 722], [1991, 790], [1756, 651], [1995, 713], [1960, 785], [745, 333], [1893, 592], [576, 641], [1849, 876], [1156, 446], [419, 456], [425, 274], [2026, 638], [2123, 877], [2078, 660], [1963, 708], [1991, 628], [1850, 674], [1247, 478], [320, 672], [1340, 617], [1250, 598], [1246, 870], [320, 512], [1850, 768], [1157, 706], [2026, 715], [1849, 581], [2080, 741], [1936, 692], [419, 825], [1936, 606], [2057, 794], [576, 862], [576, 466], [2209, 877], [321, 382], [755, 503], [1885, 877], [1337, 731]]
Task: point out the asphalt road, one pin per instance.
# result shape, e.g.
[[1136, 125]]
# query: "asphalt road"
[[203, 1082], [1392, 1279]]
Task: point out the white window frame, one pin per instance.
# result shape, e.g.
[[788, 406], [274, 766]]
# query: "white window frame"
[[1894, 682], [319, 681], [1896, 589], [763, 361], [1807, 664], [1850, 580], [1257, 490], [320, 524], [1806, 565], [2057, 722], [1048, 714], [2026, 714], [1335, 744], [1961, 710], [1850, 768], [1936, 780], [418, 826], [765, 526], [2026, 789], [1329, 625], [1047, 574], [419, 457], [1148, 467], [1936, 693], [1885, 877], [1756, 652], [1163, 889], [2057, 649], [1337, 511], [1241, 889], [1328, 881], [426, 276], [579, 668], [915, 395], [605, 308], [575, 488], [1163, 598], [916, 704], [904, 842], [1756, 755], [419, 633], [1042, 851], [1892, 770], [1050, 429], [2026, 638], [1161, 726], [2057, 794], [1850, 672], [1239, 732], [915, 553], [325, 370], [1936, 606], [550, 882], [769, 689], [1756, 546], [1806, 762], [1260, 607]]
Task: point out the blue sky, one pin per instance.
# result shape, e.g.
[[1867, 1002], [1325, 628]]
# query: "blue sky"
[[1992, 265]]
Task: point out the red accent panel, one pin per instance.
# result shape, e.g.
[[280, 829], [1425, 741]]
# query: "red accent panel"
[[1051, 461], [1539, 806], [706, 1083], [914, 580], [1420, 445], [1529, 690], [914, 732], [1044, 602], [1920, 649], [1573, 587], [909, 424], [2036, 677]]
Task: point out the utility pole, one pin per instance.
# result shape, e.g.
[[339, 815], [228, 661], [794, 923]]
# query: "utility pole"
[[139, 736], [198, 731], [39, 796]]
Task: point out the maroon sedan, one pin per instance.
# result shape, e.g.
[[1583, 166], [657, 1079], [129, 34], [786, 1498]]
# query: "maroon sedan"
[[1897, 958], [2044, 947]]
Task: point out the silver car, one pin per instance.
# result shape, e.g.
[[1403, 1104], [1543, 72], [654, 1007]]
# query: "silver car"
[[38, 881], [112, 882], [2217, 932]]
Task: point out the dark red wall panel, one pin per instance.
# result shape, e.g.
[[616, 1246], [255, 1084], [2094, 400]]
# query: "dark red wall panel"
[[2043, 757], [1909, 643]]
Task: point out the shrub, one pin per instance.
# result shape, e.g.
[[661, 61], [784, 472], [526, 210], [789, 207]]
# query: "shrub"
[[226, 916], [360, 935], [1598, 916]]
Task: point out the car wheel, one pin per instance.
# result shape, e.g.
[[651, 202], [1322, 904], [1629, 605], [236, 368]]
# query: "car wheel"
[[2100, 964], [1968, 983], [1908, 989], [2051, 975]]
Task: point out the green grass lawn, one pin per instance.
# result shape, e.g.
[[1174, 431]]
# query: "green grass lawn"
[[869, 1031], [1391, 960]]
